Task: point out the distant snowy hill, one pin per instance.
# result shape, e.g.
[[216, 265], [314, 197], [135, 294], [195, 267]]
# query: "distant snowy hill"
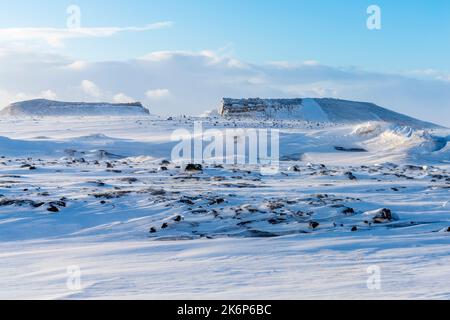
[[316, 110], [48, 108]]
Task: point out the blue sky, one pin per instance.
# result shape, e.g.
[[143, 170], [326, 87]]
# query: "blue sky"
[[182, 56], [415, 34]]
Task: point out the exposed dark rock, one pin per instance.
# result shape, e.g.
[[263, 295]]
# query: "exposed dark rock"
[[111, 194], [412, 167], [294, 168], [97, 183], [37, 204], [199, 211], [216, 201], [259, 234], [20, 203], [350, 175], [384, 215], [249, 208], [130, 180], [53, 209], [159, 192], [191, 167], [314, 224], [242, 185], [350, 149], [274, 205], [275, 221], [186, 201], [58, 203], [348, 211]]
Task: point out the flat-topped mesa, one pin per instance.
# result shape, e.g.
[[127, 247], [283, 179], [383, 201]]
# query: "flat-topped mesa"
[[316, 110], [49, 108]]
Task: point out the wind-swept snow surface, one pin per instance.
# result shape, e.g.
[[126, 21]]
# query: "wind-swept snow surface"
[[352, 204]]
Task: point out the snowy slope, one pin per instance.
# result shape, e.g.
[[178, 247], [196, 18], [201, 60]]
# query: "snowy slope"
[[356, 112], [316, 110], [42, 107]]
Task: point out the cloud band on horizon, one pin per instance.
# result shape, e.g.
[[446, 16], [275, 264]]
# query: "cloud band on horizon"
[[192, 82], [55, 37]]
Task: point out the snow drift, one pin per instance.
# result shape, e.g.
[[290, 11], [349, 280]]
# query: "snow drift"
[[47, 108]]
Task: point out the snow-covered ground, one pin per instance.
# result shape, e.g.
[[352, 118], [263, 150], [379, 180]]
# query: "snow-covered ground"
[[94, 193]]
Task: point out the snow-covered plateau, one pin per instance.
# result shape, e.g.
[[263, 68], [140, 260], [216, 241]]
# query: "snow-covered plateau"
[[358, 210], [46, 108]]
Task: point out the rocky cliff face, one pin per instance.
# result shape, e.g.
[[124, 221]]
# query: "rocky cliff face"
[[256, 106]]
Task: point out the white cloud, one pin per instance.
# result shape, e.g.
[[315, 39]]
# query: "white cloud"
[[293, 65], [158, 93], [235, 63], [318, 90], [158, 56], [49, 95], [430, 74], [90, 88], [207, 57], [56, 36], [9, 97], [122, 98], [77, 65]]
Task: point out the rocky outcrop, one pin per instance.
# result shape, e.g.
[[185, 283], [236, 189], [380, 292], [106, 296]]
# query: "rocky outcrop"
[[261, 107]]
